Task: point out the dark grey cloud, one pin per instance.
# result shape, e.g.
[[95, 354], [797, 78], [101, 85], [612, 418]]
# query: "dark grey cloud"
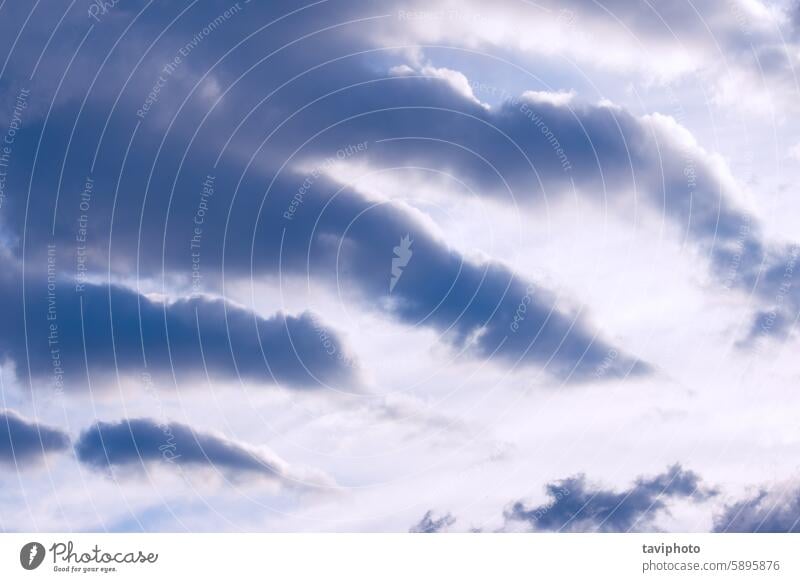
[[774, 281], [431, 524], [69, 336], [136, 443], [24, 441], [795, 17], [574, 505], [485, 308], [768, 511]]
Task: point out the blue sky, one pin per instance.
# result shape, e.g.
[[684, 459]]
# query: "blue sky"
[[391, 266]]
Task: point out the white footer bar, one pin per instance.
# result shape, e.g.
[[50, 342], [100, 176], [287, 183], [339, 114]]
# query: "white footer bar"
[[401, 557]]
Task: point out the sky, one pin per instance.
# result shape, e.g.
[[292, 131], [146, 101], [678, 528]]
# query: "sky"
[[399, 266]]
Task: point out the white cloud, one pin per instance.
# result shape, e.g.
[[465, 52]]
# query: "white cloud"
[[557, 98]]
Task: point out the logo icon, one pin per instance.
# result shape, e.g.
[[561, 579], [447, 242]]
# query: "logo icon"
[[402, 255], [31, 555]]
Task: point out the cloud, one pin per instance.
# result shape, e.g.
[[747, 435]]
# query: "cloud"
[[24, 442], [456, 79], [751, 41], [67, 335], [137, 443], [575, 505], [775, 510], [794, 152], [772, 280], [482, 308], [556, 98], [430, 525]]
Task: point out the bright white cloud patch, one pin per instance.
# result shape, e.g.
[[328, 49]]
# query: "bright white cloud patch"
[[557, 98]]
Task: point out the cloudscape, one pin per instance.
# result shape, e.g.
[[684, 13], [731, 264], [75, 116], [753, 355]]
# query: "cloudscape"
[[443, 266]]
